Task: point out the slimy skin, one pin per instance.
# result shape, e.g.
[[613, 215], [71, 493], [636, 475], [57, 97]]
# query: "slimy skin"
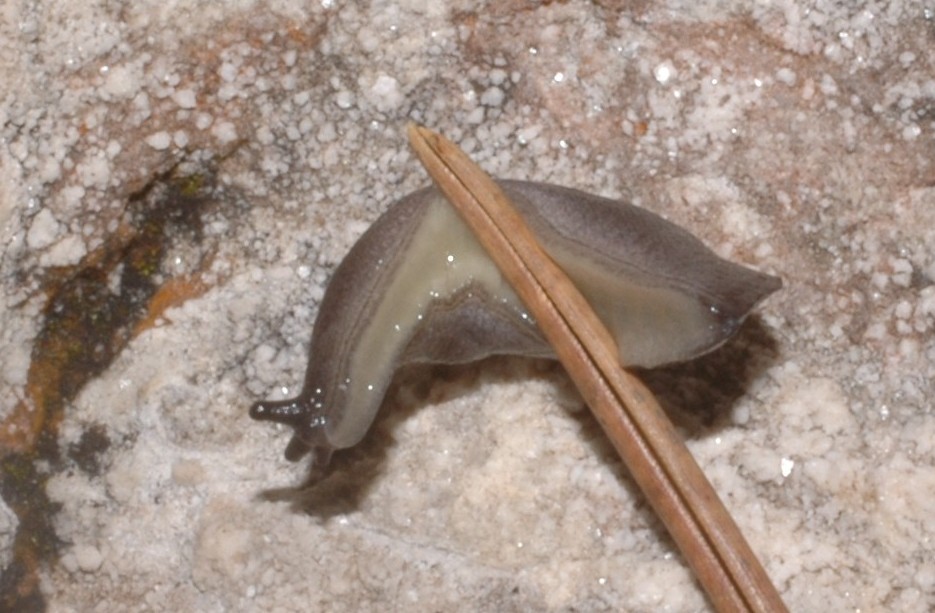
[[418, 288]]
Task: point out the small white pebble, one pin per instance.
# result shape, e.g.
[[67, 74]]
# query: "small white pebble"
[[203, 121], [368, 40], [786, 76], [911, 132], [909, 349], [49, 170], [344, 99], [88, 557], [785, 466], [828, 85], [903, 309], [94, 171], [526, 135], [301, 98], [185, 98], [876, 331], [65, 252], [265, 136], [493, 97], [764, 250], [476, 116], [43, 231], [225, 132], [326, 133], [69, 562], [121, 82], [228, 72], [385, 94], [664, 71], [72, 195], [902, 271], [880, 280], [180, 138], [497, 76], [159, 140]]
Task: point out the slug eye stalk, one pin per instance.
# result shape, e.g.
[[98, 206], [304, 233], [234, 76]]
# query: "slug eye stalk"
[[643, 436]]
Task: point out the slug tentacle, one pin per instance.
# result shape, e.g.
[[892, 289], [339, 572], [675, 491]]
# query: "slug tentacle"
[[289, 412], [306, 421], [418, 287]]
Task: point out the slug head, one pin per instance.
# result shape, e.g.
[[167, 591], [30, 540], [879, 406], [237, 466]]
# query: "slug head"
[[308, 425]]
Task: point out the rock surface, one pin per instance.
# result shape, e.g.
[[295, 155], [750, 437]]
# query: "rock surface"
[[178, 181]]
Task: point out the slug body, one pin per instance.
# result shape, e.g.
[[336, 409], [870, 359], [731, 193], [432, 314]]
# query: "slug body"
[[418, 287]]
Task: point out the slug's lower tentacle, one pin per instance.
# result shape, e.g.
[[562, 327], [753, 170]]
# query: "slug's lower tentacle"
[[306, 421]]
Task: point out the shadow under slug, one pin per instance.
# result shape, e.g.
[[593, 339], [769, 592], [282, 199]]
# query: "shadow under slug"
[[698, 395]]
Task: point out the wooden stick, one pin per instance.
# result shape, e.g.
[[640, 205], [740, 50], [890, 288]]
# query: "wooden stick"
[[640, 431]]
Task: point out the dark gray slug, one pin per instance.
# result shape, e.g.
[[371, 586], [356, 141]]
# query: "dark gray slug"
[[417, 287]]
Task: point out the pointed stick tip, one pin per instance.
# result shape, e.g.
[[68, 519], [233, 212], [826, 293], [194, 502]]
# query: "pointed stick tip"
[[417, 132]]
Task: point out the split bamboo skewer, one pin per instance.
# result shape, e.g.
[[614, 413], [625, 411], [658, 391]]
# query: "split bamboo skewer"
[[642, 434]]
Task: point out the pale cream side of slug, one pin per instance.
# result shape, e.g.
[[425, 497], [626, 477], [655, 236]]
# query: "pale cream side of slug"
[[443, 257], [651, 325]]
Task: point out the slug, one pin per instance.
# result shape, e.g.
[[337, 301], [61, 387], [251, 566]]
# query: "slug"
[[418, 288]]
